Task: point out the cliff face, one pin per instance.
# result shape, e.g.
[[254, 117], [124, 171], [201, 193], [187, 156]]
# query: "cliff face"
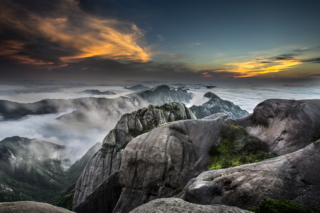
[[217, 105], [107, 160]]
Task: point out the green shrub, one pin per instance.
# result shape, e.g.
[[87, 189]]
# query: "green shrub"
[[176, 107], [315, 137], [232, 132], [213, 151], [135, 133], [253, 145], [178, 117], [237, 148], [279, 206]]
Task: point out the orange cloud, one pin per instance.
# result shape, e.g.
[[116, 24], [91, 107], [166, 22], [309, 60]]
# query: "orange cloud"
[[87, 37], [253, 68]]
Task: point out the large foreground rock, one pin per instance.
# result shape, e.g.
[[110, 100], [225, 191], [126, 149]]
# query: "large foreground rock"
[[107, 160], [160, 163], [293, 176], [285, 125], [175, 205], [30, 206]]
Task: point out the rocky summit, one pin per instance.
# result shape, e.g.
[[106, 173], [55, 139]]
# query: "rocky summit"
[[217, 105], [172, 160], [107, 160]]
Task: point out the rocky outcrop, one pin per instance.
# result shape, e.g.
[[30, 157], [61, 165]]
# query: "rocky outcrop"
[[293, 176], [217, 105], [107, 160], [104, 198], [159, 163], [30, 206], [175, 205], [285, 125], [163, 94]]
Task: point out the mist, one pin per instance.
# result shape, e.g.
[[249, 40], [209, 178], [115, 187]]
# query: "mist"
[[81, 127]]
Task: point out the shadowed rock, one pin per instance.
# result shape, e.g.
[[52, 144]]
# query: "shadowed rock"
[[104, 198], [175, 205]]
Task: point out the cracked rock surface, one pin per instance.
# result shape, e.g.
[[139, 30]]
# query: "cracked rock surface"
[[158, 163]]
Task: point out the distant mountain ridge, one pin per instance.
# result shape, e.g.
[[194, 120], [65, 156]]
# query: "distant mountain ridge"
[[83, 106], [98, 92], [138, 87], [163, 94], [217, 105]]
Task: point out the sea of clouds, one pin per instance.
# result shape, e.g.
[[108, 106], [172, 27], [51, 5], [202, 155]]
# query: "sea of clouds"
[[79, 137]]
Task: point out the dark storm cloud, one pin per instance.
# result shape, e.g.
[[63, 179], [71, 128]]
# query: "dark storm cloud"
[[283, 57], [313, 60]]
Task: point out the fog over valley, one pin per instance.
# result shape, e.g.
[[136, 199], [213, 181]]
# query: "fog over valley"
[[80, 133]]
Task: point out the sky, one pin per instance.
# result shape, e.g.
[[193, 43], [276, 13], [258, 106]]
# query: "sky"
[[127, 42]]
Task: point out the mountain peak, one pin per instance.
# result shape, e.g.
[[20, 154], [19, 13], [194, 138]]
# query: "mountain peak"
[[210, 95]]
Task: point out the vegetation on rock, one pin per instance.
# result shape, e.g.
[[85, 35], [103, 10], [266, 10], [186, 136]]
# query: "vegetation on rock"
[[279, 206], [237, 148]]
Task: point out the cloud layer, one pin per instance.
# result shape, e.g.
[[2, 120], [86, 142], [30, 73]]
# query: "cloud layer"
[[60, 33]]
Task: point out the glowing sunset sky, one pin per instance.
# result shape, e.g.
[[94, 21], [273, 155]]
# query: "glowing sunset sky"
[[192, 41]]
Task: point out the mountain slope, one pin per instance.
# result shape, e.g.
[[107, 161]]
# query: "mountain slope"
[[216, 105], [85, 108], [30, 169]]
